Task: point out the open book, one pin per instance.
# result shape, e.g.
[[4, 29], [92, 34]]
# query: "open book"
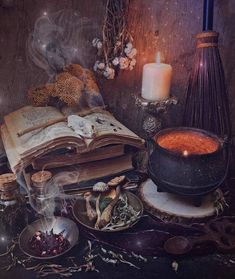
[[23, 150]]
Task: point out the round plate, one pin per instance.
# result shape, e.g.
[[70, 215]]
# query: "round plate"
[[58, 224], [79, 212]]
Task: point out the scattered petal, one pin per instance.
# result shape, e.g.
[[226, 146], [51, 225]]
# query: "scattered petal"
[[175, 266]]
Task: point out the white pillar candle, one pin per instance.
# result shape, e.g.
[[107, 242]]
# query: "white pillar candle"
[[156, 80]]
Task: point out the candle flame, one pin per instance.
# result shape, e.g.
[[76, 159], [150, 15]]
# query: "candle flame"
[[158, 57], [185, 153]]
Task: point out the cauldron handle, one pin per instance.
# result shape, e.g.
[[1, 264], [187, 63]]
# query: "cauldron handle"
[[227, 144]]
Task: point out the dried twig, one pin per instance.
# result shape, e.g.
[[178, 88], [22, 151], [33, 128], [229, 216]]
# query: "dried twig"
[[115, 51]]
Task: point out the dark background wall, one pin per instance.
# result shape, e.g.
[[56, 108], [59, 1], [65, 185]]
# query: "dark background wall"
[[165, 25]]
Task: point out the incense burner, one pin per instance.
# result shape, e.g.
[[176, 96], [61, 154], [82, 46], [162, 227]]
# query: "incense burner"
[[60, 225], [187, 161]]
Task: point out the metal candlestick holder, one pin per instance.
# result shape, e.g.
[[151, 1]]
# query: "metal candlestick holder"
[[153, 110]]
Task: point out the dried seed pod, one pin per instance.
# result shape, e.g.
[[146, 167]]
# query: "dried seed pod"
[[40, 96], [91, 87], [74, 69], [117, 180], [91, 213], [86, 76], [69, 88]]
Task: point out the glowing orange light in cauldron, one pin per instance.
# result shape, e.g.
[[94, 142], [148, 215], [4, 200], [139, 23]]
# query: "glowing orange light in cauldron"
[[187, 143], [185, 153]]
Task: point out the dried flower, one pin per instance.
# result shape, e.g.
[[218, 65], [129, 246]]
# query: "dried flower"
[[124, 62], [115, 61], [49, 243], [132, 64], [99, 45], [109, 73], [116, 40], [95, 42], [101, 66], [175, 266], [128, 47], [95, 67], [118, 43], [132, 53]]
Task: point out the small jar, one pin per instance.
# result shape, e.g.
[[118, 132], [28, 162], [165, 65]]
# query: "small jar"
[[13, 212], [43, 195]]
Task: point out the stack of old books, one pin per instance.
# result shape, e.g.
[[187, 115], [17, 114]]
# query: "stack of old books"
[[32, 145]]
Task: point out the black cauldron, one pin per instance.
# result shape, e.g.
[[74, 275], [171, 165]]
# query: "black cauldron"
[[187, 174]]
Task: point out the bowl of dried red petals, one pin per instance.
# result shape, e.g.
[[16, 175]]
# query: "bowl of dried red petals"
[[47, 238]]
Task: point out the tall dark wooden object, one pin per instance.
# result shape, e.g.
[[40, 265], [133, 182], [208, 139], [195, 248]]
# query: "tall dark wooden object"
[[207, 105]]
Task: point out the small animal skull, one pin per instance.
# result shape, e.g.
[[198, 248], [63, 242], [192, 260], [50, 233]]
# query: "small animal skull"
[[81, 126]]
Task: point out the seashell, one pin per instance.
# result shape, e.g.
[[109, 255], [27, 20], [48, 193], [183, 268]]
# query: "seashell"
[[81, 126], [100, 187]]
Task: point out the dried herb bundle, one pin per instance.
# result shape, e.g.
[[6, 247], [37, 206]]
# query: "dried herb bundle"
[[115, 51]]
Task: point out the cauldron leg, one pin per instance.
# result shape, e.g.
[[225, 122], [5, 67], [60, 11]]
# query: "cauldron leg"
[[197, 201]]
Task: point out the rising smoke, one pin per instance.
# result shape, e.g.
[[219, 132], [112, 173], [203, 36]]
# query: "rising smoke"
[[53, 196], [61, 38], [58, 39]]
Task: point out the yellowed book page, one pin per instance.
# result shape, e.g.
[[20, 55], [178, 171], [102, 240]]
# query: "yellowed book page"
[[27, 117], [12, 154], [106, 124]]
